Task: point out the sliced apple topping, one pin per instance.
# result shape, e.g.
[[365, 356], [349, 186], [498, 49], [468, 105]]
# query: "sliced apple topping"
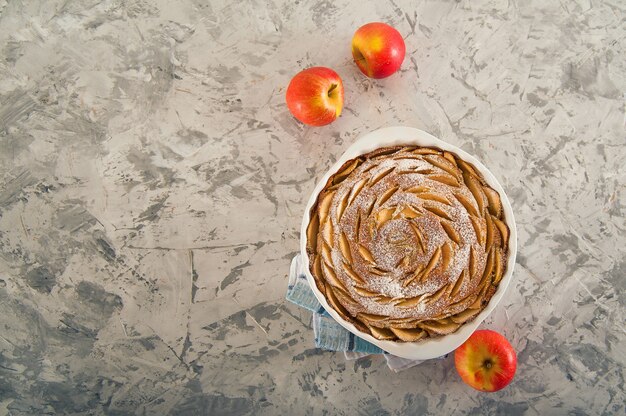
[[391, 243]]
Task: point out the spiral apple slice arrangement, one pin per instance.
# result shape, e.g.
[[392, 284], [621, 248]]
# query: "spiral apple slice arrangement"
[[315, 95]]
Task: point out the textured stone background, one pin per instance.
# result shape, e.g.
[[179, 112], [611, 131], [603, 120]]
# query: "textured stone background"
[[152, 184]]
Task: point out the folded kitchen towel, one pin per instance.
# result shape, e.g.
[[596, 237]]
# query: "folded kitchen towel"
[[329, 335]]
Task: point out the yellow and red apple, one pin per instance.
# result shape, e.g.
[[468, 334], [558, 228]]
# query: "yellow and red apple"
[[486, 361], [378, 49], [315, 96]]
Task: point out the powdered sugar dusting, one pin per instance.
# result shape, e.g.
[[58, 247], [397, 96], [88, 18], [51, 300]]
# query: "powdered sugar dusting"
[[403, 234]]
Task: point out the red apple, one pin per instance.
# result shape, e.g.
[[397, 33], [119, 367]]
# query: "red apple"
[[315, 96], [378, 49], [486, 361]]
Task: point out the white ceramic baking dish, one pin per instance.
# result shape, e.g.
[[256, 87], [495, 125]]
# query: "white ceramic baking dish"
[[430, 347]]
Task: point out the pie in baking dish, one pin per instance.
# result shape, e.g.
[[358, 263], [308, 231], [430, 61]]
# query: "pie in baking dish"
[[407, 242]]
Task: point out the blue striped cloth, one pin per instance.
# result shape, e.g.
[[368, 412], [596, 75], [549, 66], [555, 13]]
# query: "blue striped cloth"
[[329, 335]]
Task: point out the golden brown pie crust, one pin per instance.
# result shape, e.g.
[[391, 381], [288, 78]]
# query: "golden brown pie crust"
[[407, 242]]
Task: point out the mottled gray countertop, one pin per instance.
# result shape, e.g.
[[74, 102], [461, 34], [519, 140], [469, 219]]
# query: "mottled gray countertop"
[[152, 183]]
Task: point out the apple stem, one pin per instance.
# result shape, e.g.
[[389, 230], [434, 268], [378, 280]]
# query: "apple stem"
[[358, 56], [487, 364], [331, 89]]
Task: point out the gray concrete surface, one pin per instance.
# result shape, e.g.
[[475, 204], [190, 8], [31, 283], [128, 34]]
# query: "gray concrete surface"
[[152, 183]]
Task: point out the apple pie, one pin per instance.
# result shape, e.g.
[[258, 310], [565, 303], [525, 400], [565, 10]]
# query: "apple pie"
[[407, 242]]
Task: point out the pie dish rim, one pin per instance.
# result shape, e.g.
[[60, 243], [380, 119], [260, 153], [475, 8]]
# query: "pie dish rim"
[[396, 136]]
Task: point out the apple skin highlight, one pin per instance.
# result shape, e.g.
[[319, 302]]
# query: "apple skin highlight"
[[378, 50], [315, 96], [486, 361]]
